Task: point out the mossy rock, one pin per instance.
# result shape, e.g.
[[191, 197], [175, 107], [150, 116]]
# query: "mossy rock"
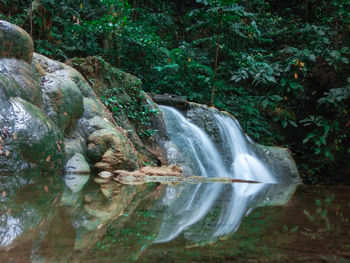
[[103, 75], [9, 88], [60, 69], [26, 77], [63, 100], [29, 139], [93, 107], [15, 42], [131, 109], [280, 162], [113, 148]]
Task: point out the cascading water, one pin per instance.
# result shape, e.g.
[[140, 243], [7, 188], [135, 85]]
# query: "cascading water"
[[194, 151], [200, 152], [244, 164]]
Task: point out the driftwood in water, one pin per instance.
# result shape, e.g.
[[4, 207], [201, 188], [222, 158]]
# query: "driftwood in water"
[[165, 175]]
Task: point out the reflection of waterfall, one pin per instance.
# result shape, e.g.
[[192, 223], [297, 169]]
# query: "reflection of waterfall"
[[215, 209]]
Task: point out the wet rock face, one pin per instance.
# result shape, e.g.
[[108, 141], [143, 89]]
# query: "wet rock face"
[[62, 99], [280, 161], [26, 78], [15, 42], [28, 138], [203, 116], [50, 116]]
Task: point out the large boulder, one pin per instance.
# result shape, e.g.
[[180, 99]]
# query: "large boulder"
[[280, 161], [15, 42], [29, 139], [63, 100], [113, 150]]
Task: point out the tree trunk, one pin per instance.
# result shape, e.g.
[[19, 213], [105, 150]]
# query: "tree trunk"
[[216, 58], [45, 27]]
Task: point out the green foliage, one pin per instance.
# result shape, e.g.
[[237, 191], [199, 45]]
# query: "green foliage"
[[134, 107], [127, 99]]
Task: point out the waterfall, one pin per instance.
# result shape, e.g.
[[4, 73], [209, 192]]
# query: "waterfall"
[[191, 148], [203, 156]]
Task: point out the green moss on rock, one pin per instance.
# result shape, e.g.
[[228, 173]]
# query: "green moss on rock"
[[63, 100], [15, 42], [32, 141], [26, 77]]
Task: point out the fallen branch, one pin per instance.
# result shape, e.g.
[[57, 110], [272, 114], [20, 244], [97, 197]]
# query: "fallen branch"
[[164, 175]]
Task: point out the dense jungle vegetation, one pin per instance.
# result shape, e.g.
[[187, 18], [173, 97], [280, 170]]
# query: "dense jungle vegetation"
[[281, 67]]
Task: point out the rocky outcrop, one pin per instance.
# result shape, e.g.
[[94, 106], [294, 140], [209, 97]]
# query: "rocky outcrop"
[[133, 109], [50, 117], [28, 137]]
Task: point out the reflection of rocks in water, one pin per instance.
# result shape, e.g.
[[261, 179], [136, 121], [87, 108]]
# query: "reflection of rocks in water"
[[129, 225], [38, 223], [76, 182], [164, 174], [27, 207]]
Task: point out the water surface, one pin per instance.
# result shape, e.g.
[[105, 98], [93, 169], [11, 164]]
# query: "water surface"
[[44, 220]]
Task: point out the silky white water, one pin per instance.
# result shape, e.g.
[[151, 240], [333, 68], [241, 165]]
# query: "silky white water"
[[194, 151]]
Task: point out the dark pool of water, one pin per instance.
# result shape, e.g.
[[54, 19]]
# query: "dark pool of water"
[[44, 220]]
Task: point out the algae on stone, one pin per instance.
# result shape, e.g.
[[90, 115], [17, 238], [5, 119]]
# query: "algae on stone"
[[15, 42], [63, 100], [25, 76]]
